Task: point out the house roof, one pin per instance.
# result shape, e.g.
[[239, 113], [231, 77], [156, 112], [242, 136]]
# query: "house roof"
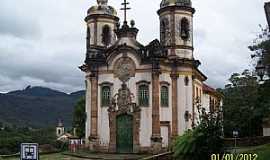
[[210, 90]]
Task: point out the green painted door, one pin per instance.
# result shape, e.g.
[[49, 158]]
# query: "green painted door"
[[124, 136]]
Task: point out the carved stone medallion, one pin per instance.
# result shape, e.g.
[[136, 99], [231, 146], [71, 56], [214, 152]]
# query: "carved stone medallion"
[[124, 69]]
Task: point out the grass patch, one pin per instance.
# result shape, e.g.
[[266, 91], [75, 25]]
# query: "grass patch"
[[55, 156], [263, 151]]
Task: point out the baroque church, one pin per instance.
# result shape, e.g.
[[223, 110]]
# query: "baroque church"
[[140, 97]]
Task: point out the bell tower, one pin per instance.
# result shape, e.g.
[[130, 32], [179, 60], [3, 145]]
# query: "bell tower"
[[176, 27], [60, 129], [101, 22]]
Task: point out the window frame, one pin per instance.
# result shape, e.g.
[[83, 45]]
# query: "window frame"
[[167, 85], [140, 84], [110, 86]]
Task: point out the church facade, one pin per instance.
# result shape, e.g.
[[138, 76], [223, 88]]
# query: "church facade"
[[139, 97]]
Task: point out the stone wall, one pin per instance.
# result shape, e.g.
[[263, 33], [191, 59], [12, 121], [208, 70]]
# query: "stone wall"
[[254, 141]]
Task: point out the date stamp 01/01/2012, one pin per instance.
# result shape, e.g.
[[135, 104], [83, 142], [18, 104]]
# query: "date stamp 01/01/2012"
[[240, 156]]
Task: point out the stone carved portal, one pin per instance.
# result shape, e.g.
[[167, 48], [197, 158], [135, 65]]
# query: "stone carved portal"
[[122, 105]]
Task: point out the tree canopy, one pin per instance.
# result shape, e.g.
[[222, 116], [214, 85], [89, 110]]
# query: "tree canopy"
[[245, 105], [79, 118], [261, 49]]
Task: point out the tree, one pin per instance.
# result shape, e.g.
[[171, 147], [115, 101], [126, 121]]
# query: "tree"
[[202, 141], [243, 108], [79, 118], [261, 49]]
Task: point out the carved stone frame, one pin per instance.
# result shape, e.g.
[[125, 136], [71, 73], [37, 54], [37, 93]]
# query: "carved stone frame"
[[138, 84], [101, 85], [165, 84], [113, 130]]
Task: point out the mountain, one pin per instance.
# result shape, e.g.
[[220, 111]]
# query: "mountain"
[[37, 107]]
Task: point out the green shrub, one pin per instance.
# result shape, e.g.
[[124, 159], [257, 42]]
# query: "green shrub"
[[204, 140]]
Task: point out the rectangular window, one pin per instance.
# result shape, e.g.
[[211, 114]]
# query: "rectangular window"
[[164, 97], [143, 95], [105, 96]]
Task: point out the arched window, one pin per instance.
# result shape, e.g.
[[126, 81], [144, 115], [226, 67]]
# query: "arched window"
[[88, 36], [186, 80], [106, 35], [185, 28], [164, 97], [105, 96], [164, 30], [143, 95]]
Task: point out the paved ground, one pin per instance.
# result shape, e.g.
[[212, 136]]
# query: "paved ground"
[[107, 156], [85, 156]]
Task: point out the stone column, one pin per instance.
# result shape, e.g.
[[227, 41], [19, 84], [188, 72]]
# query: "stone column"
[[174, 77], [156, 139], [94, 111], [88, 108]]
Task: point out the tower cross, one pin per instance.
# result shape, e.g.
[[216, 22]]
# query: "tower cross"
[[125, 8]]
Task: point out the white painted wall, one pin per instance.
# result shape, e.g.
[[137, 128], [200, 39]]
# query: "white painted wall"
[[206, 102], [189, 101], [166, 112], [146, 112], [184, 103], [103, 115], [181, 105]]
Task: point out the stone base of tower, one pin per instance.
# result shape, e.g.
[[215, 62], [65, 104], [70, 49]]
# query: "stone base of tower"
[[93, 144], [156, 144]]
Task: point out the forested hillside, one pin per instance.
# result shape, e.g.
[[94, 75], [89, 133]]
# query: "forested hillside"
[[37, 107]]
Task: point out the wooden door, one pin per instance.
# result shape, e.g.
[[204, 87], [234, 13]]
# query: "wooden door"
[[124, 136]]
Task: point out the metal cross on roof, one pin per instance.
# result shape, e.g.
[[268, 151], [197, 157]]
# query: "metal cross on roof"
[[125, 10]]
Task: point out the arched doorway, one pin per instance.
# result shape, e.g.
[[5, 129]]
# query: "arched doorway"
[[124, 133]]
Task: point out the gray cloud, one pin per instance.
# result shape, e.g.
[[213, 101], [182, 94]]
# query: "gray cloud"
[[18, 21], [43, 42]]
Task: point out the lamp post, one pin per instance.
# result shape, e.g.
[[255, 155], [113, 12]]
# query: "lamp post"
[[235, 135]]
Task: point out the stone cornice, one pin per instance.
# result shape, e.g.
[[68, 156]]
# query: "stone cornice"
[[106, 84], [180, 47], [143, 82], [172, 8], [164, 83], [97, 16]]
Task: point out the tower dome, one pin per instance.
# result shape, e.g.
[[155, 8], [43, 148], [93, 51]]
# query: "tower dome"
[[185, 3], [102, 8]]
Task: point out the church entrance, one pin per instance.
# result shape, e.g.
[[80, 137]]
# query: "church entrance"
[[124, 136]]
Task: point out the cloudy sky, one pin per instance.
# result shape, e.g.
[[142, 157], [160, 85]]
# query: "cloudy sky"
[[42, 42]]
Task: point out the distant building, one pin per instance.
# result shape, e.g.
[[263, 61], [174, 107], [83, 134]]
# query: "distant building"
[[212, 99], [65, 137], [60, 129]]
